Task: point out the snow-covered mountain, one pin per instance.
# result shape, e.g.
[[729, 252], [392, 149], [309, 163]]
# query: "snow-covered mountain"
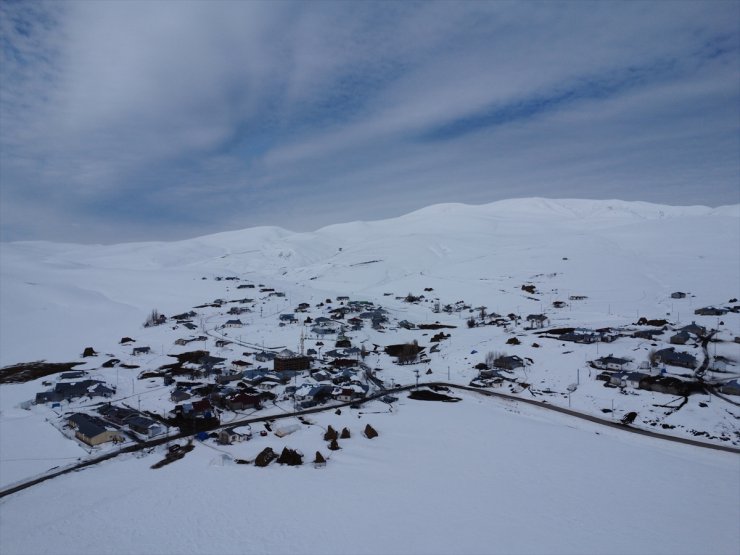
[[484, 475], [626, 256]]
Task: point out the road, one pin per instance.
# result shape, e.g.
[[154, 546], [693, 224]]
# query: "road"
[[160, 441]]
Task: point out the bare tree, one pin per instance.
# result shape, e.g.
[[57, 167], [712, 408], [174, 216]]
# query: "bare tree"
[[653, 358], [154, 319], [408, 352], [492, 357]]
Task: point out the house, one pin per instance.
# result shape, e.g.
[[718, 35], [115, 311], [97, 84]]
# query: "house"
[[344, 394], [339, 313], [182, 341], [290, 318], [509, 362], [253, 374], [559, 304], [537, 320], [101, 390], [611, 363], [196, 409], [220, 343], [141, 351], [115, 414], [288, 360], [235, 323], [208, 362], [266, 383], [647, 334], [488, 373], [227, 436], [76, 375], [92, 430], [239, 365], [694, 329], [730, 388], [633, 379], [179, 395], [343, 342], [680, 338], [320, 393], [228, 377], [185, 315], [345, 362], [710, 311], [342, 298], [678, 295], [264, 356], [303, 307], [67, 391], [665, 384], [580, 336], [627, 379], [323, 330], [321, 376], [356, 323], [676, 358], [308, 392], [345, 375], [242, 401], [144, 426], [350, 392]]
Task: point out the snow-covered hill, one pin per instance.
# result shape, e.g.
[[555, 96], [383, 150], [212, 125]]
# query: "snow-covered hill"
[[484, 475], [626, 256]]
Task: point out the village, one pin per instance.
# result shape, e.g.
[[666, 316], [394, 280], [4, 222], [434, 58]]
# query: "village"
[[197, 371]]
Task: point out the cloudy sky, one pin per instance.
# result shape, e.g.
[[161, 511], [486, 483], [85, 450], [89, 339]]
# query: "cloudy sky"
[[162, 120]]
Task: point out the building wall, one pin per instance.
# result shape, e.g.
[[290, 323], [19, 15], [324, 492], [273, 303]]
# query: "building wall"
[[294, 363]]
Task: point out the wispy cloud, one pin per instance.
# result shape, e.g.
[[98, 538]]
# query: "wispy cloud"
[[131, 120]]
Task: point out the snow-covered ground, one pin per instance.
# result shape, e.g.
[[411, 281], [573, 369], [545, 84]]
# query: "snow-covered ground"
[[479, 476]]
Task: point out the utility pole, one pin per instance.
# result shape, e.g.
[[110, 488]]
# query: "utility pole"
[[417, 378]]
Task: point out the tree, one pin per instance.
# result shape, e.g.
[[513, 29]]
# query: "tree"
[[490, 358], [471, 322], [408, 352], [154, 319], [653, 357]]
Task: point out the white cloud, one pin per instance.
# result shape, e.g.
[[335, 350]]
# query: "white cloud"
[[242, 107]]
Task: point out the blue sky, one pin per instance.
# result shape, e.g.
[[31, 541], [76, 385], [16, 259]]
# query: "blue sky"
[[137, 120]]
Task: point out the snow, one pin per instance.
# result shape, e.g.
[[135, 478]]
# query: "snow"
[[479, 476], [471, 477]]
